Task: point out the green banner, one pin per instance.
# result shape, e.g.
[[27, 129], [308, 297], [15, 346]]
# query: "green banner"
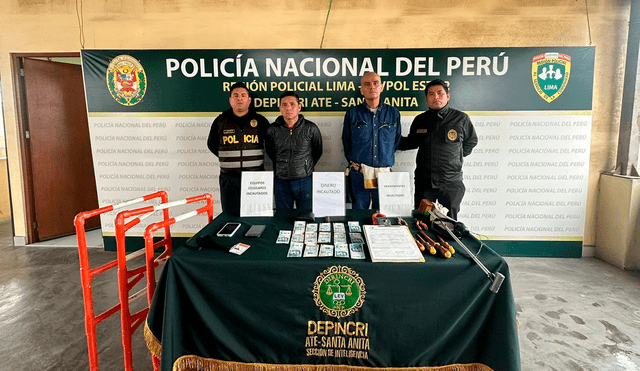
[[481, 79]]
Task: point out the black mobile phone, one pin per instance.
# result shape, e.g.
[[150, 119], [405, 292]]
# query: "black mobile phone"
[[255, 230], [229, 229]]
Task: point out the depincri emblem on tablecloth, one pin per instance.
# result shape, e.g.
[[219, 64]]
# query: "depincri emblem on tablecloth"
[[339, 291]]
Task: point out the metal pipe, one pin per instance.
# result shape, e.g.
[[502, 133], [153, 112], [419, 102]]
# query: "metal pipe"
[[495, 278]]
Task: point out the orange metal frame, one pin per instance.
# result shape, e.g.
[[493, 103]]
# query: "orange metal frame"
[[128, 278], [150, 246], [87, 273]]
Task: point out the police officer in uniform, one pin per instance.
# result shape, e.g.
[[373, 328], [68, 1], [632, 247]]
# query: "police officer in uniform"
[[237, 138], [443, 136]]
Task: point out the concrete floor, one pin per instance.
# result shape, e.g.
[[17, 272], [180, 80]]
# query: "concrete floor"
[[574, 314]]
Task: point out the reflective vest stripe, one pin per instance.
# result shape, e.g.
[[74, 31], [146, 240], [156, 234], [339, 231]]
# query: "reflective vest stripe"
[[253, 152], [237, 164], [252, 163], [229, 153], [229, 165], [249, 152]]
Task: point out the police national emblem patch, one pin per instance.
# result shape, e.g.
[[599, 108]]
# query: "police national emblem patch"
[[126, 80], [550, 73], [339, 291]]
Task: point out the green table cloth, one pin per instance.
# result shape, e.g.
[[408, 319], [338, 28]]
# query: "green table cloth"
[[214, 310]]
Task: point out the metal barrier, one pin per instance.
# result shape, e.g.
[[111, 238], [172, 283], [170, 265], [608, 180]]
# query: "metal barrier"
[[128, 278], [150, 246], [87, 273]]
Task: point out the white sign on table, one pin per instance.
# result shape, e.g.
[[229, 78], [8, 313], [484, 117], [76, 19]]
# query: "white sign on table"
[[328, 194], [256, 193], [394, 192]]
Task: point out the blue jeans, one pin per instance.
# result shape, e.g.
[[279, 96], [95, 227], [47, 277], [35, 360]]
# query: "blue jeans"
[[288, 191], [360, 196]]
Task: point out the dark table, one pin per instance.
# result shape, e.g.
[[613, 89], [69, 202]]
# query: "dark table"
[[214, 310]]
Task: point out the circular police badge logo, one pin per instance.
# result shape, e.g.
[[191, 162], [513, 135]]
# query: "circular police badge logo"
[[339, 291], [126, 80], [452, 135], [254, 123]]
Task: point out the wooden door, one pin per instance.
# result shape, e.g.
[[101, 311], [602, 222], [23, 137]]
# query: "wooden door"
[[61, 165]]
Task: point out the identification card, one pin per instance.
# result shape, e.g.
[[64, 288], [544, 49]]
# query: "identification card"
[[238, 248]]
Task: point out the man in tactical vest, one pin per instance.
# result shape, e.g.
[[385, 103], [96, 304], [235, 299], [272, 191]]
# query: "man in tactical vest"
[[237, 138]]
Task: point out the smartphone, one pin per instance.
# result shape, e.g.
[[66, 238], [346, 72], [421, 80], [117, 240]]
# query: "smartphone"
[[255, 230], [229, 229]]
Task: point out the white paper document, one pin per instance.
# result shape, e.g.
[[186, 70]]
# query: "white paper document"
[[256, 193], [391, 244], [394, 192], [328, 194]]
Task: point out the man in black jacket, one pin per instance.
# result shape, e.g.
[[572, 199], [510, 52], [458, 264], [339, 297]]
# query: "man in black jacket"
[[443, 137], [237, 138], [294, 144]]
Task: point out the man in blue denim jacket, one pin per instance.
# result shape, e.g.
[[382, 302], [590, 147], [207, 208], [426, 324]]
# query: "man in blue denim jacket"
[[370, 135]]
